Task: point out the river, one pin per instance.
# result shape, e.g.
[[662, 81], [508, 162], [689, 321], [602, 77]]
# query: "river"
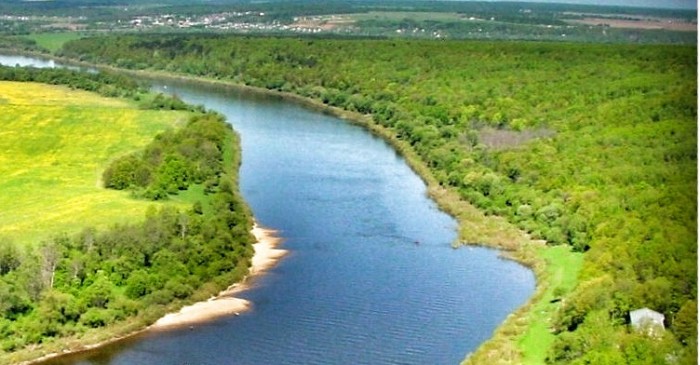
[[371, 277]]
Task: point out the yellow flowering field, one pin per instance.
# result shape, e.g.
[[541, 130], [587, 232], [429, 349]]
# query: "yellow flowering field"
[[54, 145]]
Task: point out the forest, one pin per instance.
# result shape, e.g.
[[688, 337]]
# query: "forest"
[[591, 146], [72, 286]]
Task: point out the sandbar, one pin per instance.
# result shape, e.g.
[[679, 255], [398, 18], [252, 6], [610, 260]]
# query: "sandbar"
[[226, 303]]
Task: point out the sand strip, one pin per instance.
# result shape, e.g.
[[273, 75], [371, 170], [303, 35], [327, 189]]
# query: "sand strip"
[[225, 303]]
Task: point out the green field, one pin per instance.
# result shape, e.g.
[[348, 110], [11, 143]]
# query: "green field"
[[52, 41], [54, 145], [401, 15]]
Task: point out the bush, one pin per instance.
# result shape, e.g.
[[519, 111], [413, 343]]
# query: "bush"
[[162, 296], [96, 317], [121, 174], [137, 285]]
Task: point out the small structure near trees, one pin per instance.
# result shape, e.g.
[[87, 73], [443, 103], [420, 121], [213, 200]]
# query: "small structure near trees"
[[648, 321]]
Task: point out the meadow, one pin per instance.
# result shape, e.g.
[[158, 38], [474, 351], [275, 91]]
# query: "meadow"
[[52, 41], [54, 145]]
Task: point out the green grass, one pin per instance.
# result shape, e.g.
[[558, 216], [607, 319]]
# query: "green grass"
[[54, 145], [563, 267], [52, 41]]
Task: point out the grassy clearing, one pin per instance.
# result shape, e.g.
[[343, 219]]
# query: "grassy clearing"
[[563, 267], [54, 145], [524, 337], [52, 41]]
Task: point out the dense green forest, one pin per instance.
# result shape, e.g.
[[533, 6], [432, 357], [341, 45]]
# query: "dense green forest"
[[592, 146], [70, 285]]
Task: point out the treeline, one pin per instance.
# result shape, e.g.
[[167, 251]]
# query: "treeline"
[[109, 84], [8, 42], [104, 83], [592, 146]]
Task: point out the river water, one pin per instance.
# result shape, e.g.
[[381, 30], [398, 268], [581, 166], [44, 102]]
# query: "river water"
[[371, 277]]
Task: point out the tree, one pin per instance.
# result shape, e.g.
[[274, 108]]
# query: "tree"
[[121, 174], [99, 293], [685, 324], [10, 257], [138, 284], [13, 300], [50, 255]]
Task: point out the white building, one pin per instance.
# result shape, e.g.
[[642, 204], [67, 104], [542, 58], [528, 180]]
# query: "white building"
[[645, 319]]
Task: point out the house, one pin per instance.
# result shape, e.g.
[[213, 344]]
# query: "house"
[[650, 321]]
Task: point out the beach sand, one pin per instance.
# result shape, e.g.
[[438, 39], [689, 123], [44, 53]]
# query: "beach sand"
[[225, 303]]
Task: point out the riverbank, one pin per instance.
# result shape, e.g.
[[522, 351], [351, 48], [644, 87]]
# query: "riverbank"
[[226, 303]]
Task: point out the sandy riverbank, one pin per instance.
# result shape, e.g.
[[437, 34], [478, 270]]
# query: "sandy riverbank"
[[225, 303]]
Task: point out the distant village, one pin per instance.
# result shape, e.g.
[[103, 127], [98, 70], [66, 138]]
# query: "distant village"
[[236, 21]]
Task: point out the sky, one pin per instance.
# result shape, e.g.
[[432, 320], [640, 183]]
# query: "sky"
[[671, 4]]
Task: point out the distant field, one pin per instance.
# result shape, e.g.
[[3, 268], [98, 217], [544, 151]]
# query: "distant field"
[[328, 22], [52, 41], [676, 25], [401, 15], [54, 145]]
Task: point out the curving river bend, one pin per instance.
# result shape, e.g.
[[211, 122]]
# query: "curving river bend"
[[371, 278]]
